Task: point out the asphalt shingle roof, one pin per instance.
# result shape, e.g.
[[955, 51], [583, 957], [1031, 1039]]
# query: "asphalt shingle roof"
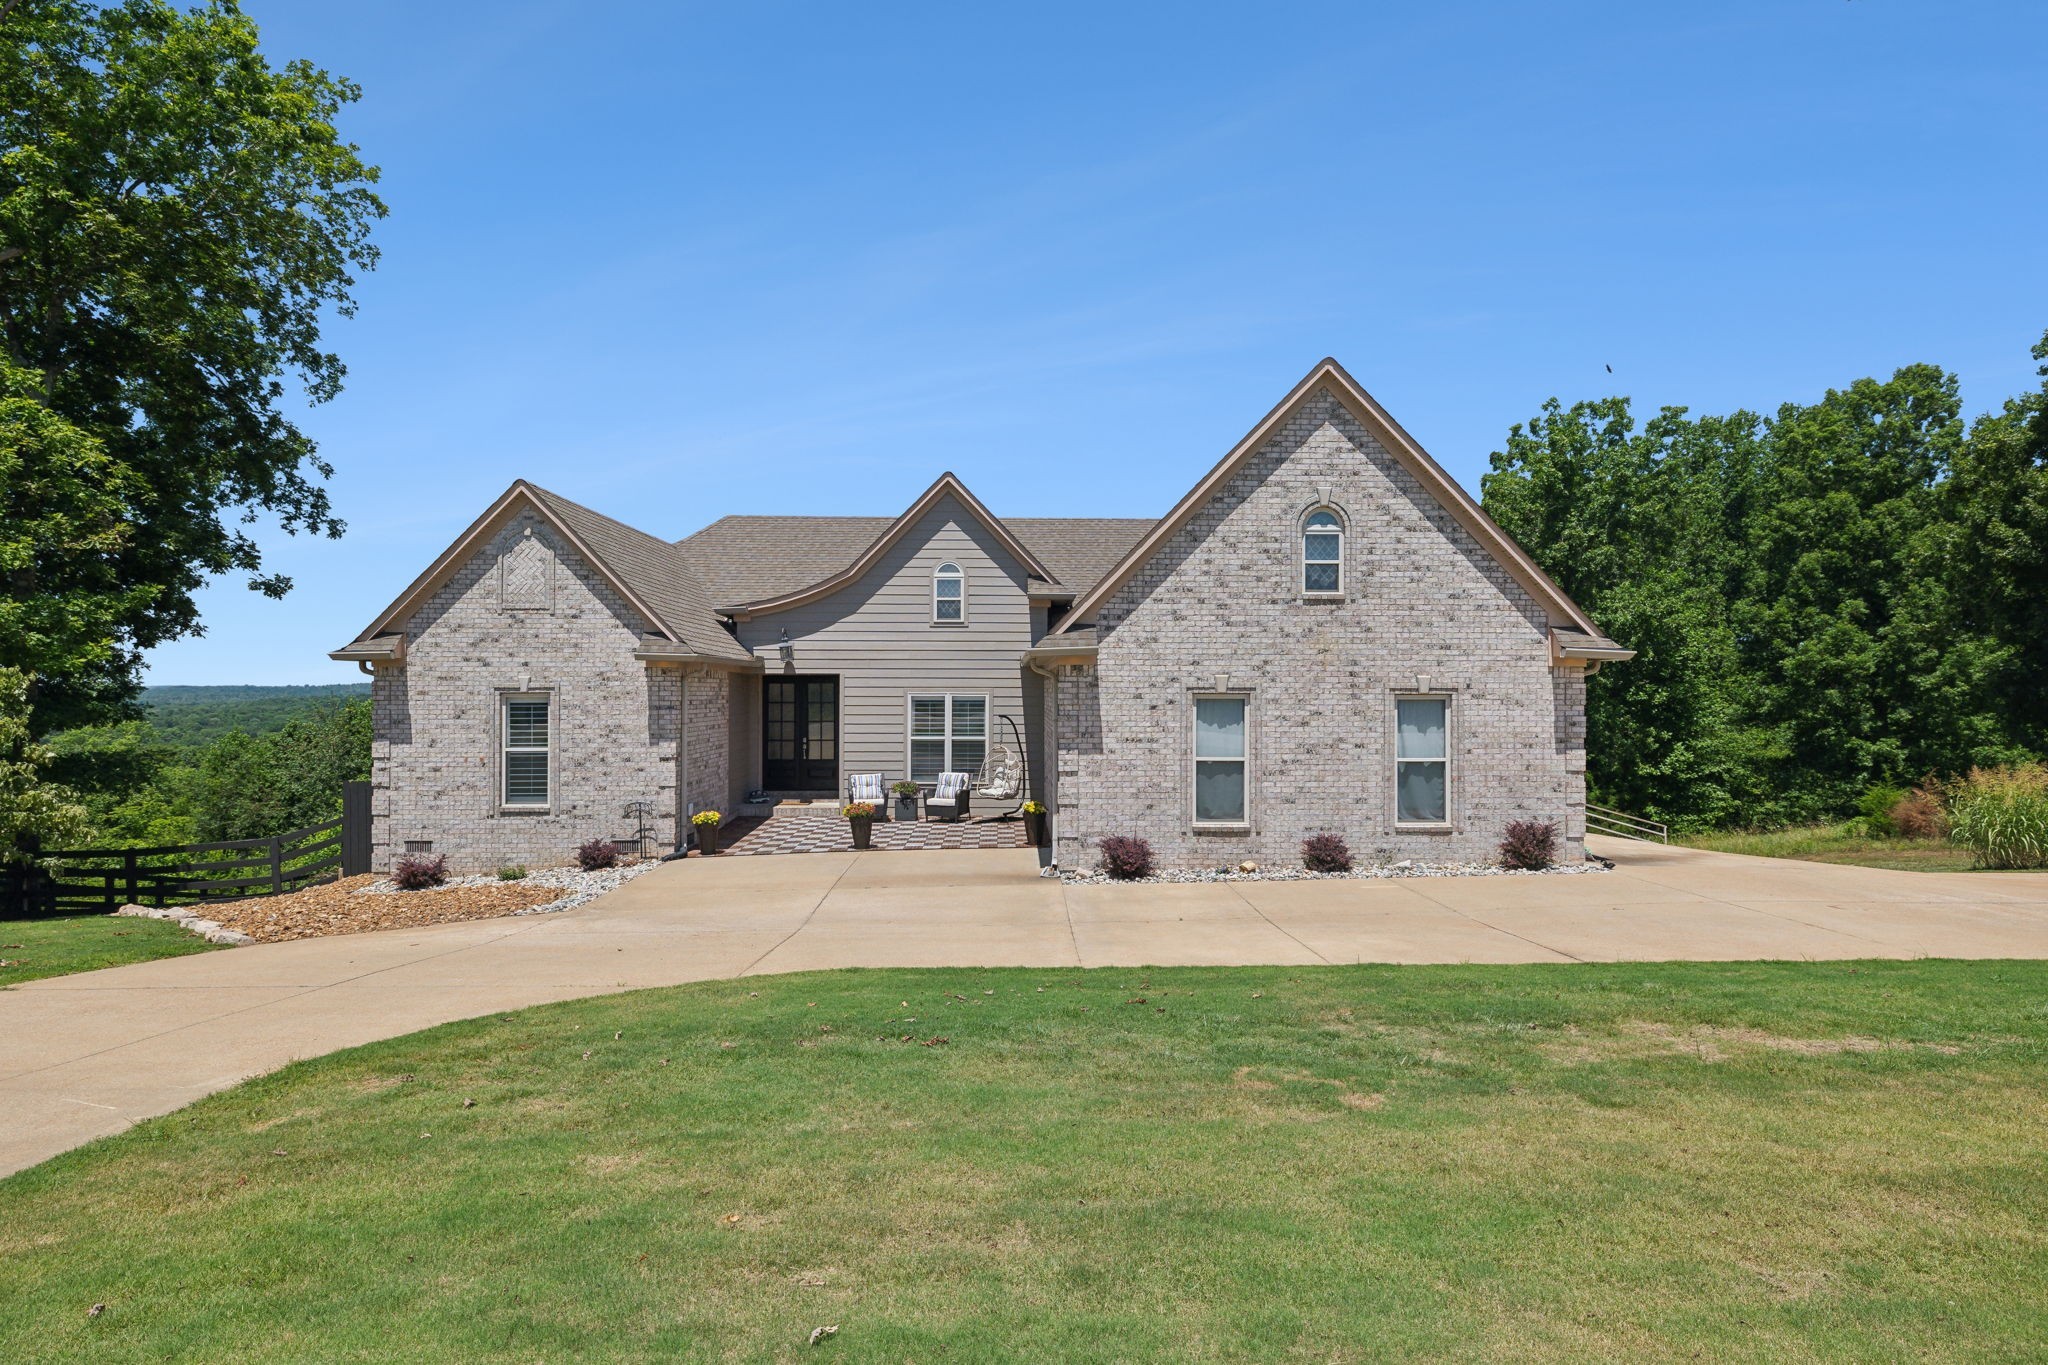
[[745, 559]]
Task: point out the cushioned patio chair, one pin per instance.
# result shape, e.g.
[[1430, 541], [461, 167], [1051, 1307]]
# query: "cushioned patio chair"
[[948, 800], [868, 787]]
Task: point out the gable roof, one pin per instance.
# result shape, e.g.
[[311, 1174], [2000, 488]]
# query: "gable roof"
[[946, 485], [748, 558], [654, 577], [1328, 373]]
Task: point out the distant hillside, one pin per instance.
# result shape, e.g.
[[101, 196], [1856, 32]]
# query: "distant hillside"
[[199, 715]]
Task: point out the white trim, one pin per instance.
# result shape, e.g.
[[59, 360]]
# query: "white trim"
[[1302, 533], [1450, 774], [956, 575], [1196, 758], [506, 698], [946, 763]]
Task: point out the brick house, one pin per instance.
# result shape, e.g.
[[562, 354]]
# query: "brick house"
[[1325, 634]]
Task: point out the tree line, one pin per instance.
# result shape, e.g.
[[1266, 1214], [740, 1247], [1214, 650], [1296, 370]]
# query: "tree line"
[[1840, 595]]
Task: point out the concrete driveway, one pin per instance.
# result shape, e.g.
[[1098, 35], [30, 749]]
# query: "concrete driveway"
[[86, 1055]]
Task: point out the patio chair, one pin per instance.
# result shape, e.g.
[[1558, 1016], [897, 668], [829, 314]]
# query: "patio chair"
[[868, 787], [948, 800]]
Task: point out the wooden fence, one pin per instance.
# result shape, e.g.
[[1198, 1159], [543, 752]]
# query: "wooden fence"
[[85, 881]]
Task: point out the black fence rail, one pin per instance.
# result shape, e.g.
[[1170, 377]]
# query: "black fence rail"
[[87, 881]]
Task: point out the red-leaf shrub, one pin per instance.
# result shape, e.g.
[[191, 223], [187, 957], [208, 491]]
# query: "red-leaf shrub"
[[417, 872], [1920, 816], [1124, 857], [597, 855], [1529, 845], [1326, 853]]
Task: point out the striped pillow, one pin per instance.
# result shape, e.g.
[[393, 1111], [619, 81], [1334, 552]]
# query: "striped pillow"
[[866, 786]]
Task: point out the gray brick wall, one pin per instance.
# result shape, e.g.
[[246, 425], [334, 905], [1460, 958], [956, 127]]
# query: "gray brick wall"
[[1219, 608], [551, 625]]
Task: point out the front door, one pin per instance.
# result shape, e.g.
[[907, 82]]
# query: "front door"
[[800, 734]]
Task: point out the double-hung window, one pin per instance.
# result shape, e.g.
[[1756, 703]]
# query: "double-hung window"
[[1422, 764], [949, 594], [526, 750], [948, 734], [1220, 749]]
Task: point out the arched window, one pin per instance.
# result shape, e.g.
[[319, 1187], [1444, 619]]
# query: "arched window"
[[949, 593], [1322, 553]]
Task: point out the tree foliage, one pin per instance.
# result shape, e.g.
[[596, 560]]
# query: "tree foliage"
[[36, 814], [176, 218], [1840, 594]]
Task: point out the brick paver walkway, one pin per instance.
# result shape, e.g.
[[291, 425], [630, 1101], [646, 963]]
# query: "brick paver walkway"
[[826, 831]]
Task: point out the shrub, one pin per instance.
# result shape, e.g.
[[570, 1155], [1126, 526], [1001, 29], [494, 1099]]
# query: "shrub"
[[1875, 810], [1529, 845], [597, 855], [1919, 815], [417, 871], [511, 872], [2002, 815], [1125, 857], [1325, 853]]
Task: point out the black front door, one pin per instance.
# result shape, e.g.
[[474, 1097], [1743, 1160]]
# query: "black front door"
[[800, 734]]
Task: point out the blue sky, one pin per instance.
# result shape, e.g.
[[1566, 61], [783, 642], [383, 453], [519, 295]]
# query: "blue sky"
[[677, 261]]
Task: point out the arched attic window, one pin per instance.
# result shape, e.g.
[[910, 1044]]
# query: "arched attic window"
[[1322, 553], [949, 594]]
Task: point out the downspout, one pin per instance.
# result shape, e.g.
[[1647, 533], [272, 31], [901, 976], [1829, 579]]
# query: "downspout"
[[1052, 811], [683, 811]]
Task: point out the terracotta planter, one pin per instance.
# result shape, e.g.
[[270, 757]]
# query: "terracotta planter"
[[1035, 830], [707, 839], [863, 830]]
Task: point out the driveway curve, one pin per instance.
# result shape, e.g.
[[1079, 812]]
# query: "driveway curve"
[[87, 1055]]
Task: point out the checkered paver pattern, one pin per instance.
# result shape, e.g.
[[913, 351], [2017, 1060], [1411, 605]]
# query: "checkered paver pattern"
[[826, 831]]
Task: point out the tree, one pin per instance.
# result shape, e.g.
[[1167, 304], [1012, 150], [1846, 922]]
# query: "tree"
[[176, 217], [35, 813]]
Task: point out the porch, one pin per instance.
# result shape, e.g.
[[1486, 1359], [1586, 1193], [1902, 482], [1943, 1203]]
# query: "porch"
[[818, 827]]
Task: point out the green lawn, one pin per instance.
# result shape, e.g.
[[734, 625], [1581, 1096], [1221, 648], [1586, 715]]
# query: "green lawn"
[[82, 943], [1845, 843], [1765, 1162]]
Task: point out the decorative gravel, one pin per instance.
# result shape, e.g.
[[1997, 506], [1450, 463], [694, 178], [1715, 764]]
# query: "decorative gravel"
[[1302, 874]]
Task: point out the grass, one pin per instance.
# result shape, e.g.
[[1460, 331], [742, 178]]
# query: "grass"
[[1765, 1162], [1845, 843], [82, 943]]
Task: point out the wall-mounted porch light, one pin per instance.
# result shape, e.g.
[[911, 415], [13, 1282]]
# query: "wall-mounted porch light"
[[787, 650]]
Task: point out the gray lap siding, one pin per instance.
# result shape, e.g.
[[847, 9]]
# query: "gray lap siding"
[[878, 637], [1427, 611]]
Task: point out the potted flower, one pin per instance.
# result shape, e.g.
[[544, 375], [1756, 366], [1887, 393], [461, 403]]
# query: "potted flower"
[[1034, 824], [906, 800], [707, 822], [861, 816]]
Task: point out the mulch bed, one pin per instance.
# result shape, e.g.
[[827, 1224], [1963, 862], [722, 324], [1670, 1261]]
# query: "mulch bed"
[[336, 908]]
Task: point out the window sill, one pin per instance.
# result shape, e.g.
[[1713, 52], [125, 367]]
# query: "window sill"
[[1424, 827], [1324, 596], [504, 809], [950, 624], [1241, 827]]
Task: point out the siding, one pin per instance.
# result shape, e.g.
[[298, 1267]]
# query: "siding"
[[877, 635]]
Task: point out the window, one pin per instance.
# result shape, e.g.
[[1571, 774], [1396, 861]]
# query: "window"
[[948, 734], [526, 751], [949, 594], [1322, 553], [1422, 765], [1219, 760]]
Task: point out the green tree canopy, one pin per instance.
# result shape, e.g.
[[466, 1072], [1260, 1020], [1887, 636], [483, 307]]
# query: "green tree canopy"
[[1844, 593], [177, 217]]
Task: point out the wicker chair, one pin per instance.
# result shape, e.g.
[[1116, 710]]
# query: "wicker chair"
[[948, 800]]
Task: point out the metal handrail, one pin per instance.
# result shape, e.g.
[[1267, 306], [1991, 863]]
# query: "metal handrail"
[[1622, 825]]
